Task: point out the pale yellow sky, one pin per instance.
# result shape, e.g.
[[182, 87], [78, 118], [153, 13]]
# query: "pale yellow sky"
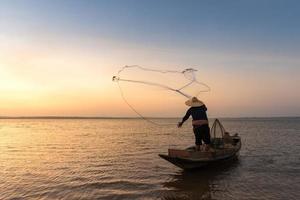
[[72, 77]]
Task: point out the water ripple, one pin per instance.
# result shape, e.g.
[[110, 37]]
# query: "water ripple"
[[117, 159]]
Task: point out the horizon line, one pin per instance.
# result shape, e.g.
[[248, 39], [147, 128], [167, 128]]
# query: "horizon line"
[[112, 117]]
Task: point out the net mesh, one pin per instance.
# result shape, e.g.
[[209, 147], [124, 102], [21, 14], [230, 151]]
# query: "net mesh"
[[153, 93], [217, 129], [217, 135]]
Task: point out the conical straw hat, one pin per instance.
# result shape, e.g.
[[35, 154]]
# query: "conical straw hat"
[[194, 102]]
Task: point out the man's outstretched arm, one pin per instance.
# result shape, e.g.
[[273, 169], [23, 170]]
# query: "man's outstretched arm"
[[187, 115]]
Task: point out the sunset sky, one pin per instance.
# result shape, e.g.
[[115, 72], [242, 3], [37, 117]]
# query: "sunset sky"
[[58, 57]]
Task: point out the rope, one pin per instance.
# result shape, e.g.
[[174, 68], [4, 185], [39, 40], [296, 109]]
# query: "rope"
[[193, 80], [133, 109], [144, 118]]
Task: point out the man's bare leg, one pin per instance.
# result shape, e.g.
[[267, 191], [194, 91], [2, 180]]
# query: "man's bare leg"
[[198, 147]]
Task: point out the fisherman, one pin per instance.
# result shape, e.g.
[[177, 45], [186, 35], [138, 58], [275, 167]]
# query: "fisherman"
[[200, 122]]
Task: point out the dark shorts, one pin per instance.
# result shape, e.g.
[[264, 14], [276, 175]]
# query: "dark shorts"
[[202, 133]]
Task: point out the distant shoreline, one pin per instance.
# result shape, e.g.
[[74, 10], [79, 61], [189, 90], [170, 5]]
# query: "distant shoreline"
[[83, 117]]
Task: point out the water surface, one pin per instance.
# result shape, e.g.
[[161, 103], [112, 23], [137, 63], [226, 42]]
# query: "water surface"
[[118, 159]]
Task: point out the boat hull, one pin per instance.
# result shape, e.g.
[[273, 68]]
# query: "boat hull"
[[191, 159], [187, 164]]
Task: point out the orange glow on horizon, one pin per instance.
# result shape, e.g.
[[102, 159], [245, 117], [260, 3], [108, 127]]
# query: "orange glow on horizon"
[[39, 80]]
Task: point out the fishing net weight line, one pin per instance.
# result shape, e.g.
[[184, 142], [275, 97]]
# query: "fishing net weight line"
[[188, 75]]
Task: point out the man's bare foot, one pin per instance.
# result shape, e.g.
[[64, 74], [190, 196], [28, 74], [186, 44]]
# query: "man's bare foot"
[[206, 147]]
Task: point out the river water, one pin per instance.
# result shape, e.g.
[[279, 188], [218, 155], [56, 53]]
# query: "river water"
[[118, 159]]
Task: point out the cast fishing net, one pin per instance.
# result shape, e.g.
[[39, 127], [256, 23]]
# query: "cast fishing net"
[[153, 93]]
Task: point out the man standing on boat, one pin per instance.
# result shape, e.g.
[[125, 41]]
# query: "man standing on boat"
[[200, 122]]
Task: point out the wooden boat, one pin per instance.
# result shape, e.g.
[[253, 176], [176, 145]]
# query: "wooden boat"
[[223, 148]]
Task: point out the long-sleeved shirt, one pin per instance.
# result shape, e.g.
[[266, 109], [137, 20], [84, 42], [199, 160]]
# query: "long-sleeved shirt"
[[198, 113]]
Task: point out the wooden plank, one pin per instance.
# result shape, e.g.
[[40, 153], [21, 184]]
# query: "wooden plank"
[[179, 153]]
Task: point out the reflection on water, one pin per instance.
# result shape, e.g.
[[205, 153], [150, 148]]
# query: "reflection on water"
[[198, 183], [118, 159]]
